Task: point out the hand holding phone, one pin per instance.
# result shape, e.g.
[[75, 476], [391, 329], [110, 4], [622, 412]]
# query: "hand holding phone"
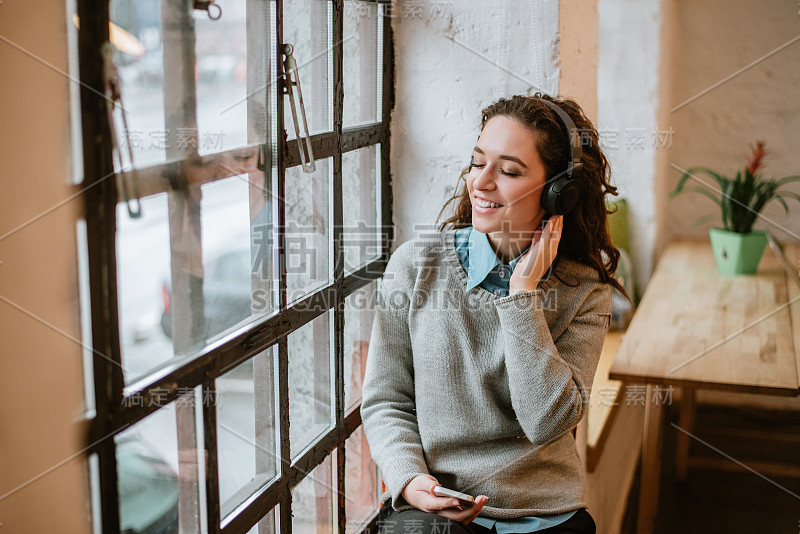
[[463, 498]]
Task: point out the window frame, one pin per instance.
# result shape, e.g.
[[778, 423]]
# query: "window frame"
[[112, 413]]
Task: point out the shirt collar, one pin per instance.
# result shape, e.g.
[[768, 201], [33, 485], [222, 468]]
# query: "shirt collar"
[[482, 258]]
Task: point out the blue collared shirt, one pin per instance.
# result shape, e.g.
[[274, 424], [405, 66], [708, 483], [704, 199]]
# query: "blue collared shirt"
[[485, 269], [482, 265]]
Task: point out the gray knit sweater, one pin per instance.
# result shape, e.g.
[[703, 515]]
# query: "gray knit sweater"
[[477, 390]]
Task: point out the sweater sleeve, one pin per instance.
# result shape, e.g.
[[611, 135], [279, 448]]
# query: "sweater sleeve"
[[388, 406], [549, 381]]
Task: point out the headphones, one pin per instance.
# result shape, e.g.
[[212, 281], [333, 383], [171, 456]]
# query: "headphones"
[[562, 192]]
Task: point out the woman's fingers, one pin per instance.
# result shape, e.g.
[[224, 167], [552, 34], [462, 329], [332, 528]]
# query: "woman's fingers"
[[436, 502], [466, 515], [476, 508]]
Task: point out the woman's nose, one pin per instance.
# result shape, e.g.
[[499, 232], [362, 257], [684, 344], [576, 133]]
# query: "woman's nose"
[[484, 179]]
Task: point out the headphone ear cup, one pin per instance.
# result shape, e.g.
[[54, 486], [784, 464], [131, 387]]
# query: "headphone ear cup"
[[561, 195]]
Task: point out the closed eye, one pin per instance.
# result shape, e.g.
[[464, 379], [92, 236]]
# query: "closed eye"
[[475, 165]]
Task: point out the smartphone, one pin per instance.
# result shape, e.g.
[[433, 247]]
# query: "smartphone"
[[463, 498]]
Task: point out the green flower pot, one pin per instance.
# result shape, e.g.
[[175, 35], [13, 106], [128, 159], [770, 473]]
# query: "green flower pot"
[[737, 253]]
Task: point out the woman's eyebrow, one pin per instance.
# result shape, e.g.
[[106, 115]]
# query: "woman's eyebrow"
[[503, 156]]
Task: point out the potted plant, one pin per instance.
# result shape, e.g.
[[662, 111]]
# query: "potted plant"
[[737, 247]]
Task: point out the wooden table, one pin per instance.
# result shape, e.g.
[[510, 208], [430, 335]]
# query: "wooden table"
[[695, 328]]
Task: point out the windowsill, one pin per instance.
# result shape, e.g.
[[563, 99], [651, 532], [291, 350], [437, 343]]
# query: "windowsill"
[[604, 401]]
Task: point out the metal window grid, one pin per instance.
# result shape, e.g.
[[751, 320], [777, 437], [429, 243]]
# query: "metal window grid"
[[112, 414]]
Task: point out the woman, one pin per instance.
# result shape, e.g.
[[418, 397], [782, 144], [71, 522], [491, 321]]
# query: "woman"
[[488, 333]]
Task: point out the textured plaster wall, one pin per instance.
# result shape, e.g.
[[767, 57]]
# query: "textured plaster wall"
[[451, 62], [628, 96]]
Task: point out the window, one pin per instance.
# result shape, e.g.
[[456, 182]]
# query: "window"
[[231, 277]]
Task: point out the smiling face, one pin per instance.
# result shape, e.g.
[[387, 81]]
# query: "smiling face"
[[508, 173]]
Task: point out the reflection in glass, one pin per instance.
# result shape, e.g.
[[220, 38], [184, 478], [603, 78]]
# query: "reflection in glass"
[[309, 247], [197, 265], [361, 215], [361, 481], [311, 406], [359, 312], [362, 62], [200, 261], [247, 442], [308, 27], [158, 469], [270, 523], [314, 501], [143, 274], [159, 100]]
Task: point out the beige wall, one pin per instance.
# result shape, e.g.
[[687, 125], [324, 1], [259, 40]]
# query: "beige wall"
[[577, 26], [42, 488], [712, 40], [608, 486]]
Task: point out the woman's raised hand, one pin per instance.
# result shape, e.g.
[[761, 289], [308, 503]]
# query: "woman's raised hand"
[[419, 494], [534, 264]]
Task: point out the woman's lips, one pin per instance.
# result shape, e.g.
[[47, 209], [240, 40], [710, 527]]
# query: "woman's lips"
[[481, 209]]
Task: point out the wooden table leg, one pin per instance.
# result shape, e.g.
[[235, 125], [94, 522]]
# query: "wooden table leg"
[[651, 462], [685, 422]]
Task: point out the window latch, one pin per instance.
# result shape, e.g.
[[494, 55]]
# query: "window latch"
[[213, 10], [113, 96], [292, 81]]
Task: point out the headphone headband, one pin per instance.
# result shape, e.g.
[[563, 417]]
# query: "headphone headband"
[[572, 134]]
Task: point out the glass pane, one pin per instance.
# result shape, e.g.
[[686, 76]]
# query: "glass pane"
[[309, 247], [94, 493], [225, 76], [308, 27], [361, 214], [76, 136], [199, 262], [311, 406], [85, 300], [159, 479], [140, 63], [171, 115], [195, 267], [237, 250], [359, 311], [362, 62], [314, 501], [247, 442], [143, 279], [361, 482], [270, 523]]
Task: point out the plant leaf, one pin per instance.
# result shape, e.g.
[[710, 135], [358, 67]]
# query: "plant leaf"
[[705, 192], [780, 199], [789, 194], [788, 179], [690, 173], [703, 219]]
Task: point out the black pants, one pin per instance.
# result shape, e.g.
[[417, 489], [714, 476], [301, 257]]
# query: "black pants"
[[415, 521]]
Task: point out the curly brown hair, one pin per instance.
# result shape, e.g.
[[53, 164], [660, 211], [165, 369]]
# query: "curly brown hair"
[[585, 234]]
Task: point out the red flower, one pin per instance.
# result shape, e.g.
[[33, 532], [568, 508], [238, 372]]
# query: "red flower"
[[757, 159]]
